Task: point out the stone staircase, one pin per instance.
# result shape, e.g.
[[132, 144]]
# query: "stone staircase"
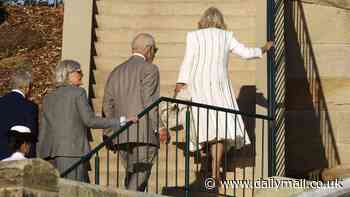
[[118, 21]]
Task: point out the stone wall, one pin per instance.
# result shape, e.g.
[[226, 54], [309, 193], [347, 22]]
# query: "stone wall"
[[34, 178], [317, 123], [38, 178], [344, 4]]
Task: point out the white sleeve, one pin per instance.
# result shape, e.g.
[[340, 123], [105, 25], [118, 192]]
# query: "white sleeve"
[[243, 51], [187, 63]]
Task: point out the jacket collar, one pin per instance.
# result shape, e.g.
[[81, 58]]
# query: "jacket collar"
[[18, 92]]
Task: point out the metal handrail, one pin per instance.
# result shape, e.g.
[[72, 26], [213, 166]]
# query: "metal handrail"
[[211, 107], [88, 156]]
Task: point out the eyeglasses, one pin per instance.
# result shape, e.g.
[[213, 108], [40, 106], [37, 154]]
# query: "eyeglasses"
[[78, 71], [155, 49]]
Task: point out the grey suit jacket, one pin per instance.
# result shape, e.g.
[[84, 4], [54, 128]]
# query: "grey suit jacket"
[[130, 88], [66, 118]]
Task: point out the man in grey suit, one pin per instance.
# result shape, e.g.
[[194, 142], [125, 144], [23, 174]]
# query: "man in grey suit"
[[130, 88]]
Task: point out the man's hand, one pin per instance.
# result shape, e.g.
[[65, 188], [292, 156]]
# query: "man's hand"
[[179, 87], [164, 136], [109, 143], [133, 119]]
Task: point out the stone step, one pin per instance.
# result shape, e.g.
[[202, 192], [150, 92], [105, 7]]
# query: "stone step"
[[167, 22], [335, 90], [196, 182], [243, 8], [107, 64], [165, 50], [167, 85], [126, 35], [166, 90], [169, 78], [107, 49], [239, 174], [176, 1]]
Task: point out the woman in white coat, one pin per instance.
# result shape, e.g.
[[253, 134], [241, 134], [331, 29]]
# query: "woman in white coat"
[[205, 73]]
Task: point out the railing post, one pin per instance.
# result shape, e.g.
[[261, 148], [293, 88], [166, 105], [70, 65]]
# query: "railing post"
[[97, 169], [187, 154], [270, 89]]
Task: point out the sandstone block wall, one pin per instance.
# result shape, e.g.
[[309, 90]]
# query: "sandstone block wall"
[[317, 119], [38, 178]]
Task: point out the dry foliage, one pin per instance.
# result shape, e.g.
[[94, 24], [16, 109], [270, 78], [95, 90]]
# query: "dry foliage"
[[31, 34]]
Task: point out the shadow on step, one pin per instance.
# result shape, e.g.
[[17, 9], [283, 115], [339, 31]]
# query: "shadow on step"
[[196, 188]]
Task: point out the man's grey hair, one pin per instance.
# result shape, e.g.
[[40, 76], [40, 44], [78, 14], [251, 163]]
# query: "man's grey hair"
[[63, 69], [142, 40], [21, 79]]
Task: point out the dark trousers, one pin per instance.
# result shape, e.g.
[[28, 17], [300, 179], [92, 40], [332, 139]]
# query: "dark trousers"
[[79, 174], [138, 162]]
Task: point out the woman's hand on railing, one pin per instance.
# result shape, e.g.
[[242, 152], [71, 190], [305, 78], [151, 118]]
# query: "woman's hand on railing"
[[267, 46], [164, 136]]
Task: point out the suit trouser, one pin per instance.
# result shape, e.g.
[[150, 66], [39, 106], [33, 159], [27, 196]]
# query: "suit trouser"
[[138, 161], [79, 174]]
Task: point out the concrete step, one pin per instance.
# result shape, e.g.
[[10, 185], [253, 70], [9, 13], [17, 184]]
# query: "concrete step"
[[107, 64], [167, 22], [243, 8], [126, 35]]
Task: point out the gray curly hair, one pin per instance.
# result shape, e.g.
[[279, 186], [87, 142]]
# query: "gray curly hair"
[[21, 79], [63, 69]]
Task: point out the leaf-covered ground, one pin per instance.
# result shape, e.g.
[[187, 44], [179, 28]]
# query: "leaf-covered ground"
[[34, 35]]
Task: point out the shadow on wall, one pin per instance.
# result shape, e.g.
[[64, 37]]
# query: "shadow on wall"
[[92, 80], [310, 138], [247, 100]]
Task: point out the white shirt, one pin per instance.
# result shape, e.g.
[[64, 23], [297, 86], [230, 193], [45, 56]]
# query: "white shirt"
[[140, 55], [15, 156], [18, 91]]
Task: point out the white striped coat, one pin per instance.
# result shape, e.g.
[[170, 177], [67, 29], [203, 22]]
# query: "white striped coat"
[[205, 71]]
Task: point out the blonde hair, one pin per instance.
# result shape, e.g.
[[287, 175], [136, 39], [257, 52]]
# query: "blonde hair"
[[212, 17]]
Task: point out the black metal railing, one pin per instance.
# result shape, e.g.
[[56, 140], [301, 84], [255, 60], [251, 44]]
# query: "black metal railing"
[[276, 25], [184, 165]]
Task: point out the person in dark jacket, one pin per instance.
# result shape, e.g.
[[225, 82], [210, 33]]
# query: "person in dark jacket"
[[15, 109]]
